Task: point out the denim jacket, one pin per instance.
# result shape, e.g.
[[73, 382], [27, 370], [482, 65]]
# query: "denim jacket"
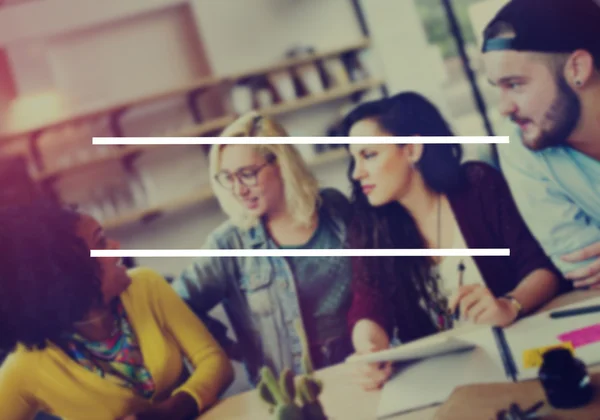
[[246, 286]]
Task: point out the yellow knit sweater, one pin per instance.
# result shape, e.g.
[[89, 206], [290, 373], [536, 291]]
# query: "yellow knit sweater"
[[167, 331]]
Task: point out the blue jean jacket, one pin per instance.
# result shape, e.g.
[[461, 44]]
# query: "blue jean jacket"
[[247, 288]]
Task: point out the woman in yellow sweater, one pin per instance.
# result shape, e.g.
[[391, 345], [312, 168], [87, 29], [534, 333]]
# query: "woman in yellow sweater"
[[89, 339]]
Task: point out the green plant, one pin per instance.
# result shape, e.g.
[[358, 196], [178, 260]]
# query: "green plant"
[[287, 403], [309, 391], [435, 23]]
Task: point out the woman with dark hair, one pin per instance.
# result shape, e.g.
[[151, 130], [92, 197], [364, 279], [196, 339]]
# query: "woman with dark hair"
[[421, 196], [89, 339]]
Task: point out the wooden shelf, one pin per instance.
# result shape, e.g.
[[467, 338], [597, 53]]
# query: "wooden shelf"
[[201, 83], [326, 96], [117, 155], [201, 129], [293, 62], [204, 128], [205, 194], [192, 131], [222, 122], [77, 117]]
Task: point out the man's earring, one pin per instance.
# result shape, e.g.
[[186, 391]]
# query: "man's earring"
[[578, 83]]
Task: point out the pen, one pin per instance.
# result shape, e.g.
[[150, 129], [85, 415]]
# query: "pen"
[[461, 272], [507, 360], [577, 311]]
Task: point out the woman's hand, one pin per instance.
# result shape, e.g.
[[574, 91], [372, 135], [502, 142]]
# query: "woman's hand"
[[178, 407], [369, 337], [477, 304], [372, 376]]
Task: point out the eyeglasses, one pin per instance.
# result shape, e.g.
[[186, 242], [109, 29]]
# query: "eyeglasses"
[[248, 176]]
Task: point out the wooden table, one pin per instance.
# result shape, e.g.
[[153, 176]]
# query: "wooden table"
[[478, 402], [344, 400]]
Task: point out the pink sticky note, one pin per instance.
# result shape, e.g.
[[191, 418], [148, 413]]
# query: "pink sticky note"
[[582, 337]]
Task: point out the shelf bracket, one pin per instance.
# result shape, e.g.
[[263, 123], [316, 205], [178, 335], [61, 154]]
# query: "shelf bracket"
[[115, 122], [47, 188], [193, 105], [150, 217], [356, 96], [36, 154], [129, 159]]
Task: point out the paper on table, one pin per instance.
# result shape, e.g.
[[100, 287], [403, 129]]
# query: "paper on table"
[[541, 330], [419, 349], [431, 381]]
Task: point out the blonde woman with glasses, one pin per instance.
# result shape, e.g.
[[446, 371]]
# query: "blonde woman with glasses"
[[286, 312]]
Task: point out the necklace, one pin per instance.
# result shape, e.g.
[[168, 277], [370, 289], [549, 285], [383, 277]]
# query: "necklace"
[[439, 222], [92, 320]]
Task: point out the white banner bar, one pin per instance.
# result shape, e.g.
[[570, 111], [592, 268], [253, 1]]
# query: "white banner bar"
[[210, 253], [155, 141]]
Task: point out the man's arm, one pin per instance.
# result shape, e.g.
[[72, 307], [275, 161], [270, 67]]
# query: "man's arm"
[[588, 276], [559, 225]]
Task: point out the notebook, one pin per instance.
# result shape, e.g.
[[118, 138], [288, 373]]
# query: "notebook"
[[480, 355], [430, 381], [416, 350]]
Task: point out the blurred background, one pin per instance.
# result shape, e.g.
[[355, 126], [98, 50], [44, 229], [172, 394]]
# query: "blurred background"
[[74, 69]]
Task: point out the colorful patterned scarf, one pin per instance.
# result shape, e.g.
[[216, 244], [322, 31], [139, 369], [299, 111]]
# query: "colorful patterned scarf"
[[118, 358]]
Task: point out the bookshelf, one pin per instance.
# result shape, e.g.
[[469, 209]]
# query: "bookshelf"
[[199, 130], [202, 83], [47, 174]]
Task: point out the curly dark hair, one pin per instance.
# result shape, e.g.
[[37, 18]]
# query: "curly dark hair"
[[403, 280], [47, 277]]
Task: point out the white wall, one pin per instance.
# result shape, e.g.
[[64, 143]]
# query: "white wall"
[[109, 63], [42, 19], [482, 13], [30, 66], [131, 58], [409, 62], [242, 34], [238, 34]]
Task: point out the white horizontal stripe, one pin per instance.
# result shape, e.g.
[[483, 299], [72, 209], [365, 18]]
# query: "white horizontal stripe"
[[469, 252], [137, 141]]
